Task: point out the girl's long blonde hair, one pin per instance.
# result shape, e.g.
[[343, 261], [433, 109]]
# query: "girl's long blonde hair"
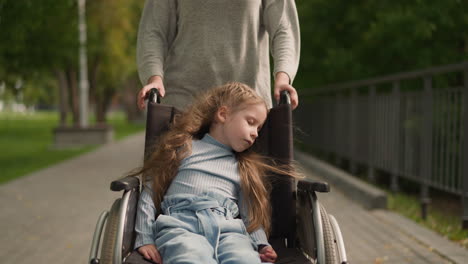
[[162, 165]]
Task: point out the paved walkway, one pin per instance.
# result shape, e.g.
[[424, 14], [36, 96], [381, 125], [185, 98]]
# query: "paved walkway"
[[381, 236], [50, 216]]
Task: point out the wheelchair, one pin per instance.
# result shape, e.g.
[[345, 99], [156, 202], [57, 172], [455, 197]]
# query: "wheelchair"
[[302, 231]]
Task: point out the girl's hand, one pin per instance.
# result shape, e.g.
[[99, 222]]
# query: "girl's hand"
[[281, 84], [150, 252], [268, 254], [153, 82]]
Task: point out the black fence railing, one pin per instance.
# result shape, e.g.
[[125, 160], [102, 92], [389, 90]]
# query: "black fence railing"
[[411, 125]]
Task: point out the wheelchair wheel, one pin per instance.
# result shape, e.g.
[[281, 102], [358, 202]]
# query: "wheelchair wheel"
[[328, 237], [110, 234]]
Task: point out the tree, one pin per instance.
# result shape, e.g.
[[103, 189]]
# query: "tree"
[[111, 48], [40, 42], [349, 40]]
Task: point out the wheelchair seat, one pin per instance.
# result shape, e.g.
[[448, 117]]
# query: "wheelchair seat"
[[286, 255]]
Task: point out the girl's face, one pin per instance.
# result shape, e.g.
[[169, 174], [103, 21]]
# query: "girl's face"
[[240, 128]]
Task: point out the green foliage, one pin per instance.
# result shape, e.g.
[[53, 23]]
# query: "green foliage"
[[40, 37], [112, 29], [349, 40], [36, 35], [41, 91]]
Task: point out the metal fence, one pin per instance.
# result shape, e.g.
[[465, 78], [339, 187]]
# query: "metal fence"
[[411, 125]]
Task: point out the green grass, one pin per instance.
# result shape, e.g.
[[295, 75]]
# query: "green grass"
[[442, 219], [26, 142]]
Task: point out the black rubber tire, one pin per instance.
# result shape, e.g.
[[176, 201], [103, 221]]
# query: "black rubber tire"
[[328, 238], [110, 234]]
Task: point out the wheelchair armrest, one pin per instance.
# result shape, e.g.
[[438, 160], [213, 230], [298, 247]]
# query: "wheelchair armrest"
[[126, 183], [309, 185]]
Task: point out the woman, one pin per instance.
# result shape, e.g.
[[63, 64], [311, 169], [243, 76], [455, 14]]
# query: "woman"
[[187, 46]]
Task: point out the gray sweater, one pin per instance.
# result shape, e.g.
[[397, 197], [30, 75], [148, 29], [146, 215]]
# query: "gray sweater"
[[197, 44]]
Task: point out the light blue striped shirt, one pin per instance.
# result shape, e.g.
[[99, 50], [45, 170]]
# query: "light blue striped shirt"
[[212, 167]]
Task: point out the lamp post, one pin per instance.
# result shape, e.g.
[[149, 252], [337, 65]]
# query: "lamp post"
[[83, 83], [65, 137]]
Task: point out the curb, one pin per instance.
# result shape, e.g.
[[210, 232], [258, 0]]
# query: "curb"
[[362, 192], [432, 240]]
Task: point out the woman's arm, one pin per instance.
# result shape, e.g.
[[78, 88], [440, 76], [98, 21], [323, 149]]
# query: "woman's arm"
[[153, 82], [282, 23], [155, 36], [282, 82]]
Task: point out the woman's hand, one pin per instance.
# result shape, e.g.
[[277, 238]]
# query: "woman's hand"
[[282, 84], [153, 82], [268, 254], [150, 252]]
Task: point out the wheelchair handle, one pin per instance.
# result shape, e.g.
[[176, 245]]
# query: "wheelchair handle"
[[154, 96], [285, 98]]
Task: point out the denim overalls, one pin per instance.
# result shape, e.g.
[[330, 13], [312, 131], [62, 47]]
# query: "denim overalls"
[[203, 229]]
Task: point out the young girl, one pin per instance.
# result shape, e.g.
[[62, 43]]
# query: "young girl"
[[210, 189]]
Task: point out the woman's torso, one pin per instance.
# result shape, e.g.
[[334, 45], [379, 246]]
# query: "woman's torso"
[[217, 41]]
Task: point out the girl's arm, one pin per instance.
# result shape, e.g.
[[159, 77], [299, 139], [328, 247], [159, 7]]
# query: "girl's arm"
[[258, 236], [267, 254], [265, 250], [145, 218], [150, 252]]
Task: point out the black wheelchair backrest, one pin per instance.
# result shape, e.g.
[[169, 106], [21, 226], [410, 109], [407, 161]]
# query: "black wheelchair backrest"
[[275, 140]]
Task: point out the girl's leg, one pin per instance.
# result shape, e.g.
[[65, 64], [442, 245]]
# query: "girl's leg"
[[177, 244], [237, 248]]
